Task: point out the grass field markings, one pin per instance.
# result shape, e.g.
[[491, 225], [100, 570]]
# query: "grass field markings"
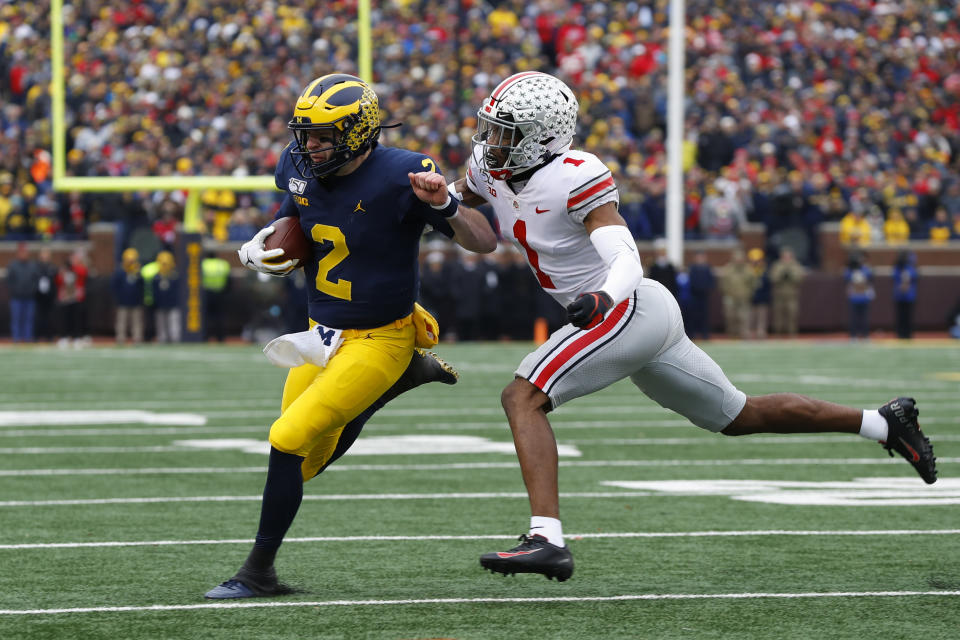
[[845, 382], [108, 416], [453, 466], [775, 440], [527, 600], [248, 445], [321, 497], [872, 492], [409, 445], [493, 425], [30, 433], [494, 536]]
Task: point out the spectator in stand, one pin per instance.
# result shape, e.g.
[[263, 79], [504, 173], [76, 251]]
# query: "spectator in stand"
[[786, 276], [661, 269], [737, 284], [760, 302], [23, 279], [46, 296], [517, 293], [721, 215], [702, 283], [216, 282], [475, 284], [71, 283], [895, 229], [167, 226], [242, 227], [940, 229], [860, 293], [904, 293], [162, 291], [437, 287], [855, 231], [807, 91], [127, 286]]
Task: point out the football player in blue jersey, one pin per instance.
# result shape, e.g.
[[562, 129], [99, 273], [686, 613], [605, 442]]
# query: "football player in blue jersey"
[[365, 206]]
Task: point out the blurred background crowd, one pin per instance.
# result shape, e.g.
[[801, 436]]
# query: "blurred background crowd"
[[797, 112]]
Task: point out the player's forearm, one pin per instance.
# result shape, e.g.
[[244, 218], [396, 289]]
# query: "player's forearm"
[[472, 231], [467, 197]]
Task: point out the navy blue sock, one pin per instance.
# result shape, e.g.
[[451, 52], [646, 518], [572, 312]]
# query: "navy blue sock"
[[282, 496]]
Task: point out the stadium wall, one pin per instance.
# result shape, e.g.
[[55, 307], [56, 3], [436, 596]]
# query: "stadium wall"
[[823, 298]]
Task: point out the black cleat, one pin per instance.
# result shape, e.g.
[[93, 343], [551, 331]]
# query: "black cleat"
[[249, 584], [533, 555], [906, 438], [424, 367]]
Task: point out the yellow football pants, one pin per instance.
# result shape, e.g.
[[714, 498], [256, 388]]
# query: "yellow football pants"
[[319, 402]]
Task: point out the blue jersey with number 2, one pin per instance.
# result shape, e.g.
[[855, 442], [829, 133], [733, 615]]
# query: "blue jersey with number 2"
[[366, 229]]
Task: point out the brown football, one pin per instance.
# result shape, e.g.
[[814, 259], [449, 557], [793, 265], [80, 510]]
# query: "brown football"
[[289, 237]]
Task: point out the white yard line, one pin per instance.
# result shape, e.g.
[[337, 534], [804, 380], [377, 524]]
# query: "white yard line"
[[467, 465], [706, 439], [431, 601], [335, 497], [492, 536]]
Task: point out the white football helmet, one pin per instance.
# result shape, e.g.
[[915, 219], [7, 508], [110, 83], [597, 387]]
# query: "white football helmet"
[[528, 117]]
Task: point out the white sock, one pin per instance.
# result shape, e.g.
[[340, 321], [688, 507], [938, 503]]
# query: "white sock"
[[874, 426], [549, 528]]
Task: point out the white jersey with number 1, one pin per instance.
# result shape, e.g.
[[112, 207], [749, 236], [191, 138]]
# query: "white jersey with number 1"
[[640, 338], [545, 220]]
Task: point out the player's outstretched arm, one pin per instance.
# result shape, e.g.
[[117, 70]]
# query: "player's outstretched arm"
[[613, 242], [471, 229]]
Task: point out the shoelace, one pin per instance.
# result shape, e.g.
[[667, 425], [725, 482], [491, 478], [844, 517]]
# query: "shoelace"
[[527, 541]]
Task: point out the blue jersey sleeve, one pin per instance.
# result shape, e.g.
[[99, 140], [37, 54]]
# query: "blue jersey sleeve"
[[420, 162]]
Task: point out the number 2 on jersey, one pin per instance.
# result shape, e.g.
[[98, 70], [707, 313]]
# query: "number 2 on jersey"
[[325, 233], [520, 233]]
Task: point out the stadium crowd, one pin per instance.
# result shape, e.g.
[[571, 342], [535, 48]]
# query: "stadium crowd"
[[797, 111]]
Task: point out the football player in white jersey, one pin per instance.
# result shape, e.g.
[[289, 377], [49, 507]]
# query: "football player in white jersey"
[[559, 206]]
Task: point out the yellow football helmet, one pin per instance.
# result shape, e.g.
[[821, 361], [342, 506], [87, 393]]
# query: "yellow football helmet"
[[343, 106]]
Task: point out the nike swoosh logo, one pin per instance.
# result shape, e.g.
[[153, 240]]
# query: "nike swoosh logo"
[[513, 554], [539, 210], [916, 456]]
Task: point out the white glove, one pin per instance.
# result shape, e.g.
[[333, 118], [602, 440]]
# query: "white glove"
[[252, 255]]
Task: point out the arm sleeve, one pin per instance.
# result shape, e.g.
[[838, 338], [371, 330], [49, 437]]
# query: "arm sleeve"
[[618, 250]]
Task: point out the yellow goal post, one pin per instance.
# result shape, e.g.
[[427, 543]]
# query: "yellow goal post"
[[194, 185]]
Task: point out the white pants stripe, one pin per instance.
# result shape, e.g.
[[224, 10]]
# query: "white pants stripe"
[[641, 339]]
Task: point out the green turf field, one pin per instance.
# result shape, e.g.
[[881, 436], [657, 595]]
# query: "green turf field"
[[131, 478]]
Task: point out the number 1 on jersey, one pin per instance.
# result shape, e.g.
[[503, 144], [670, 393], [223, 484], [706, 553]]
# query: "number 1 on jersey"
[[520, 233]]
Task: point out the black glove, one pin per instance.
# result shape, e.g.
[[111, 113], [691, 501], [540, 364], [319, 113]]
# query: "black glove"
[[588, 309]]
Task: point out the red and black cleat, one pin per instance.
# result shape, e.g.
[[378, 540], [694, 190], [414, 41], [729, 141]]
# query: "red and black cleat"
[[534, 554], [905, 437]]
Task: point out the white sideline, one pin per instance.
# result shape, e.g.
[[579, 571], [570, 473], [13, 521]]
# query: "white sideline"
[[356, 603], [469, 465], [492, 536]]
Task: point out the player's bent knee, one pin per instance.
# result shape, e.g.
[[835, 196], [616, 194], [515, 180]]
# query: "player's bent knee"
[[746, 422], [288, 439], [521, 396]]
